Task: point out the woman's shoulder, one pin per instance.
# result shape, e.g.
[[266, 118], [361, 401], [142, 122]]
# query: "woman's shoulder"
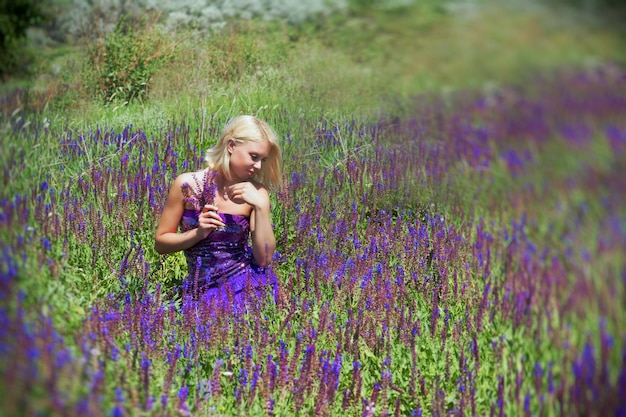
[[191, 179], [258, 185], [186, 184], [186, 176]]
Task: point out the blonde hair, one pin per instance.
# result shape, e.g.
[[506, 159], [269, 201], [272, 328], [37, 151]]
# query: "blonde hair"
[[243, 129]]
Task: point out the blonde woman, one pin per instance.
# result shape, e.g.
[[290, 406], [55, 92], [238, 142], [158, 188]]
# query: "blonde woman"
[[220, 216]]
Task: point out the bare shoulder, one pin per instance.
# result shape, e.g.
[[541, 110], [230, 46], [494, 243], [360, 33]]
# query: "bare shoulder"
[[189, 180], [189, 177], [259, 186]]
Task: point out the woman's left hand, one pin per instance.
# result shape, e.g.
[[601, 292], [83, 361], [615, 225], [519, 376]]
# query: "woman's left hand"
[[249, 193]]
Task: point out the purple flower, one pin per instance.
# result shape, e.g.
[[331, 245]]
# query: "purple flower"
[[45, 242], [183, 392]]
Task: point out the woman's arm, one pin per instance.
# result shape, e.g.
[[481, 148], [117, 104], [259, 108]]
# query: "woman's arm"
[[167, 238], [263, 241]]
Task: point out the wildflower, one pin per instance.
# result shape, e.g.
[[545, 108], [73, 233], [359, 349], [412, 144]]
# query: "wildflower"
[[45, 242]]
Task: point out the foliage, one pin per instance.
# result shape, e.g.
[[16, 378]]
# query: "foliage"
[[597, 5], [364, 5], [80, 20], [125, 60], [16, 16], [203, 16]]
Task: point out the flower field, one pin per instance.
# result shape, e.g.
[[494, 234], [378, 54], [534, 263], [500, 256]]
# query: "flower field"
[[466, 259]]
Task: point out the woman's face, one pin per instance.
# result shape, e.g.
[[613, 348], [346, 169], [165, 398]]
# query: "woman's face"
[[246, 158]]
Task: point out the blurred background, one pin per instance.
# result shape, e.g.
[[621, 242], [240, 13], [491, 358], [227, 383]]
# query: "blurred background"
[[67, 54]]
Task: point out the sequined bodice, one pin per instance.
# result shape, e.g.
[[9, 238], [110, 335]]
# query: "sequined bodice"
[[223, 254]]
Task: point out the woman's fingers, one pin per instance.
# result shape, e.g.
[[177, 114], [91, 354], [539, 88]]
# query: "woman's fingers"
[[210, 218], [246, 192], [215, 219]]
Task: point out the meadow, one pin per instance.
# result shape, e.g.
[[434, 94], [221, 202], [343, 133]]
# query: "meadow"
[[451, 227]]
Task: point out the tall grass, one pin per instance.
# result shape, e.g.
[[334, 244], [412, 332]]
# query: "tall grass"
[[345, 64]]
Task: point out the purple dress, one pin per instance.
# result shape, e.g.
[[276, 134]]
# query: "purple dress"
[[221, 265]]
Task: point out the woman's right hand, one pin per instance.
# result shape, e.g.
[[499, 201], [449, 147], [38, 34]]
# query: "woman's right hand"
[[209, 220]]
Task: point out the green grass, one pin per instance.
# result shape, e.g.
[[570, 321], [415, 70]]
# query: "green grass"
[[346, 65]]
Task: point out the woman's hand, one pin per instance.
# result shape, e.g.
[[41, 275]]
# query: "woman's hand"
[[263, 241], [208, 221], [248, 192]]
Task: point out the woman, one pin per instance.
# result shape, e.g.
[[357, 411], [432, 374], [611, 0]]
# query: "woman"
[[220, 208]]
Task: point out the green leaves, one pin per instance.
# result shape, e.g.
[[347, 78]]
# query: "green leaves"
[[16, 16], [125, 60]]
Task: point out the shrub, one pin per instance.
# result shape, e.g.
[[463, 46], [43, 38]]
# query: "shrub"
[[16, 17], [125, 59], [205, 16]]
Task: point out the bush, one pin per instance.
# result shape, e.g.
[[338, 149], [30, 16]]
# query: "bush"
[[205, 16], [125, 60], [16, 17]]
